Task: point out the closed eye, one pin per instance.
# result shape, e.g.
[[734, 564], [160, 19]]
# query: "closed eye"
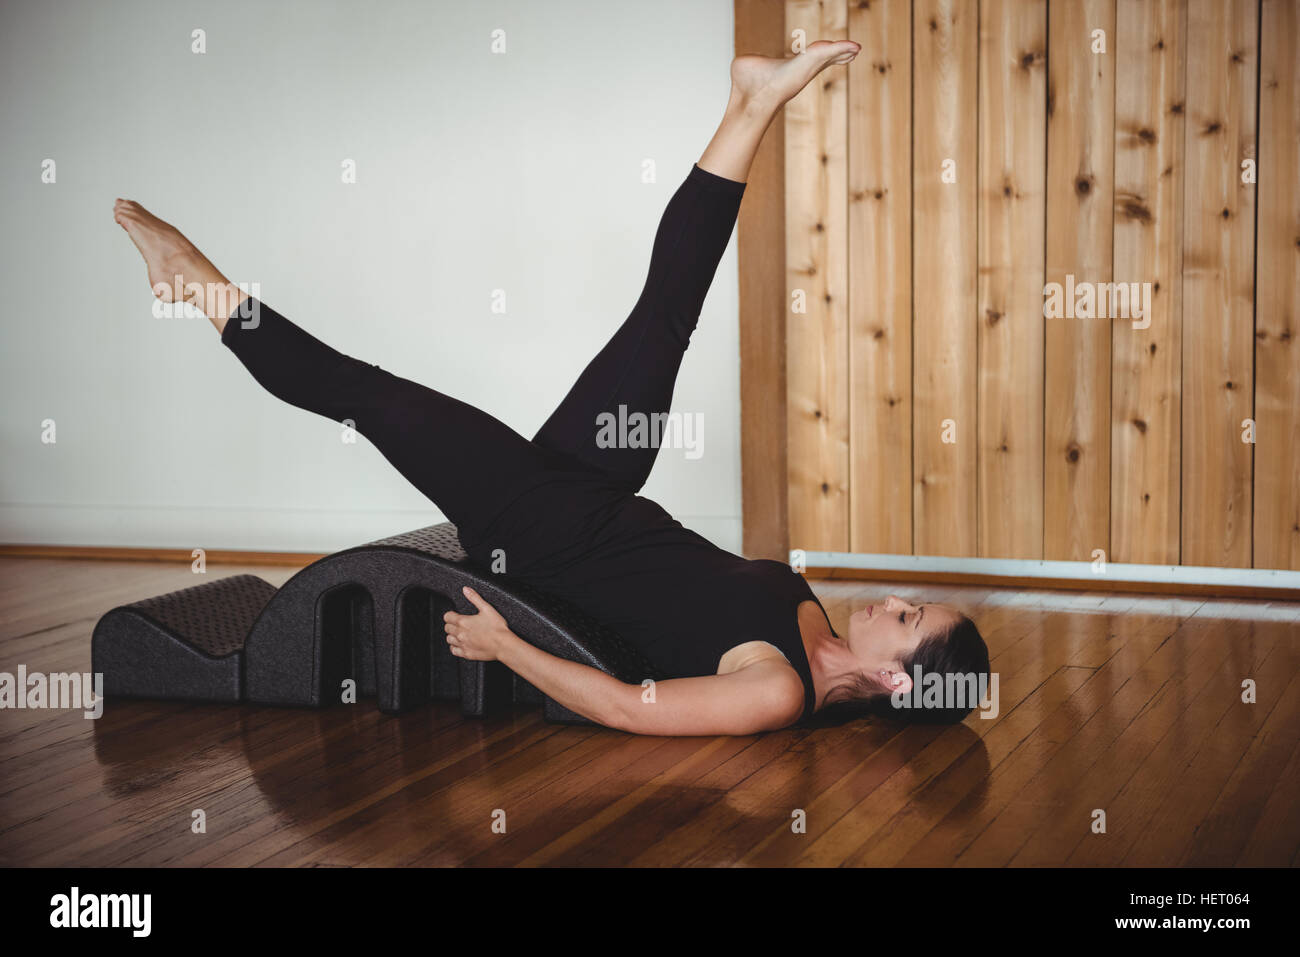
[[902, 617]]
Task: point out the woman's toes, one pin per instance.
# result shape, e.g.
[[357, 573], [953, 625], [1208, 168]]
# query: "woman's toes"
[[848, 55]]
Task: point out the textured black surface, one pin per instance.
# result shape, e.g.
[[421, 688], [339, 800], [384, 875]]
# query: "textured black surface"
[[293, 655], [440, 542], [369, 616], [186, 644], [214, 617], [437, 541]]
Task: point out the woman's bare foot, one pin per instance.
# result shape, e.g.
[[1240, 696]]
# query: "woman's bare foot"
[[176, 268], [760, 87], [770, 82]]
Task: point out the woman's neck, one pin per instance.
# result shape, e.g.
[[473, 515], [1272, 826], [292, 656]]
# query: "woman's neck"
[[829, 657]]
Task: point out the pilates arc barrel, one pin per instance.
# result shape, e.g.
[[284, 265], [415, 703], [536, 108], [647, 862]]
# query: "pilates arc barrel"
[[372, 614]]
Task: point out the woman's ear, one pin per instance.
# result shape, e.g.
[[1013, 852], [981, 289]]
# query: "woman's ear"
[[899, 681]]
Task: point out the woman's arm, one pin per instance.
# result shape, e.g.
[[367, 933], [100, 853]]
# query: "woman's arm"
[[763, 696]]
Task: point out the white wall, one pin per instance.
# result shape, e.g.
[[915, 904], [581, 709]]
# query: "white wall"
[[476, 171]]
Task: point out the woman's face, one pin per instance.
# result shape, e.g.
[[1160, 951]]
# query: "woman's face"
[[882, 635]]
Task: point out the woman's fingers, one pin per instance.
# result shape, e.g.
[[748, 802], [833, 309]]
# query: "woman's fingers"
[[477, 601], [474, 636]]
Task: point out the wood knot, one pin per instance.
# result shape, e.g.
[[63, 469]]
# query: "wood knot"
[[1133, 209]]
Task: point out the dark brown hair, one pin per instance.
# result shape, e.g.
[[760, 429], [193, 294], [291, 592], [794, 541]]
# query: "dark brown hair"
[[960, 650]]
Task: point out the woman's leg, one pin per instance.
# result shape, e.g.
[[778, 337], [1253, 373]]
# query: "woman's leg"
[[631, 380], [464, 460], [467, 462]]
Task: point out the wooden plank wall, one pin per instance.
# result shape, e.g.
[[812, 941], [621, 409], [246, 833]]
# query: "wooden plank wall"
[[1012, 175], [880, 277], [1080, 228], [1218, 282], [1146, 364], [1277, 317], [945, 103], [978, 150], [817, 338], [760, 239]]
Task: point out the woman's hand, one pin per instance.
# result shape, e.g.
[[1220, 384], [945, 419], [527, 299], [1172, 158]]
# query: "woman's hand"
[[477, 637]]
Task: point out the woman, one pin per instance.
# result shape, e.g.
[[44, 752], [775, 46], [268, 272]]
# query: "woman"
[[747, 642]]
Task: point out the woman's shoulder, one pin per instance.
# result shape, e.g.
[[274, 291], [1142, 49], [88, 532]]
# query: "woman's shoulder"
[[749, 652], [780, 679]]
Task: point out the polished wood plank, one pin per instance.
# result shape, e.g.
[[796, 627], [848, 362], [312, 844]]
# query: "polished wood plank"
[[1124, 702]]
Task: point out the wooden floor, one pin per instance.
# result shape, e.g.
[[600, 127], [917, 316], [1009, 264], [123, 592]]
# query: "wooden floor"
[[1127, 704]]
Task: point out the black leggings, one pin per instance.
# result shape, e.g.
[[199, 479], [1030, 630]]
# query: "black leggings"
[[471, 465]]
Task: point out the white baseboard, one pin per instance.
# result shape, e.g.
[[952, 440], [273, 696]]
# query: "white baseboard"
[[244, 529], [1080, 571]]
